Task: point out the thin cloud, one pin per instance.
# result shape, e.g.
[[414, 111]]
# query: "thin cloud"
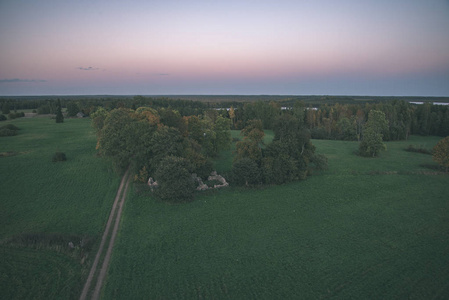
[[14, 80], [152, 74], [88, 69]]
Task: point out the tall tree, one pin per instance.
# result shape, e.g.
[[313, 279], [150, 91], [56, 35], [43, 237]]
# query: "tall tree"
[[59, 116], [372, 142], [232, 116], [251, 146], [175, 183]]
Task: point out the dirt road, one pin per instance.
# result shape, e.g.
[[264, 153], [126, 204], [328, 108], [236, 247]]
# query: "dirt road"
[[114, 219]]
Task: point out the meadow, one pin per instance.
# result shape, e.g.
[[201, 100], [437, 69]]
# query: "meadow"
[[45, 205], [365, 229]]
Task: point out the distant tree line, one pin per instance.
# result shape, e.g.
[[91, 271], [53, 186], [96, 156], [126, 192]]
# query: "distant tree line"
[[87, 105], [326, 117], [345, 121]]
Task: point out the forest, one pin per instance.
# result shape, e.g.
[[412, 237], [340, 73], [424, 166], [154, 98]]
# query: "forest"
[[327, 117]]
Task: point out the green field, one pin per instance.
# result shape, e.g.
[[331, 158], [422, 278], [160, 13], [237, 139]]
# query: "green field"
[[45, 205], [365, 229]]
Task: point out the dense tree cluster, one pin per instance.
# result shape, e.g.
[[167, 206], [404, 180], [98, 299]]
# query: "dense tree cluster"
[[290, 156], [157, 142]]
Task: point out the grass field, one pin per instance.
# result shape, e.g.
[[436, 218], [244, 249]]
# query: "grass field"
[[365, 229], [45, 205]]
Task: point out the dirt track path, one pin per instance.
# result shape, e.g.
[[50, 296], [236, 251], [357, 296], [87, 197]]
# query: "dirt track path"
[[114, 218]]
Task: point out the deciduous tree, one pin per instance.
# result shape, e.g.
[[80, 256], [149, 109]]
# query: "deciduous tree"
[[175, 183], [246, 171], [372, 142], [441, 153], [251, 146]]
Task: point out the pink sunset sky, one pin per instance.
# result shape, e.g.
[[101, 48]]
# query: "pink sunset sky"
[[224, 47]]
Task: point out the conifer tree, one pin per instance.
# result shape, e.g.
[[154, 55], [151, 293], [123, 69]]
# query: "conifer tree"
[[59, 116]]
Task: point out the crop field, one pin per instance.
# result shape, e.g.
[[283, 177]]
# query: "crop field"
[[45, 205], [365, 229]]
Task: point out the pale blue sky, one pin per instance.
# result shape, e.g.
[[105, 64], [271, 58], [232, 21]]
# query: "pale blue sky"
[[229, 47]]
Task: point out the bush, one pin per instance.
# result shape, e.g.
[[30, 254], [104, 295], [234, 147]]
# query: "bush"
[[422, 150], [16, 115], [3, 118], [7, 132], [10, 127], [59, 156]]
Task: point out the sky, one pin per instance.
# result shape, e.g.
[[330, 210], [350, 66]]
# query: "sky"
[[278, 47]]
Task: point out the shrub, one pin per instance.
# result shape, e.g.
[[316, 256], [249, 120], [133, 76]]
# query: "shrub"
[[7, 132], [3, 118], [422, 150], [10, 127], [12, 115], [59, 156]]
